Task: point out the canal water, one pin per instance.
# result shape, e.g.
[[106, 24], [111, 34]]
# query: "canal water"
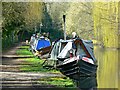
[[108, 72]]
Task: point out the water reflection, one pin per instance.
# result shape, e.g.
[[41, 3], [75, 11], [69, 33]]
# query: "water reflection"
[[107, 73]]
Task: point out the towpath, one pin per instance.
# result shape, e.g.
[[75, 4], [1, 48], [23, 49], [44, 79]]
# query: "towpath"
[[12, 77]]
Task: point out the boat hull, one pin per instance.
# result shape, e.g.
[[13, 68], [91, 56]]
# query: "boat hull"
[[82, 72]]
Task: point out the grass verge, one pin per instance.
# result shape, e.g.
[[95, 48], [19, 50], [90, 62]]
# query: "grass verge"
[[35, 65], [57, 81], [24, 51]]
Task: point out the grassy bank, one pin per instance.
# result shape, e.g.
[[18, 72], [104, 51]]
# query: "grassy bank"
[[59, 82], [24, 50], [35, 65]]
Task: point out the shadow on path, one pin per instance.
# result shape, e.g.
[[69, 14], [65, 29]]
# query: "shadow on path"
[[13, 77]]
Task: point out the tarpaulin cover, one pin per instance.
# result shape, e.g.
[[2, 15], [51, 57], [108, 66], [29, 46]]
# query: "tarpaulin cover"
[[57, 48], [42, 43], [89, 46]]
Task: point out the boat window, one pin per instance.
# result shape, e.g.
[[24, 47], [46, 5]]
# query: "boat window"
[[65, 47], [62, 46]]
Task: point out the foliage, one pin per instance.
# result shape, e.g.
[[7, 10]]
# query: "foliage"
[[19, 20], [12, 16], [11, 21], [49, 25], [91, 20], [33, 15], [78, 17]]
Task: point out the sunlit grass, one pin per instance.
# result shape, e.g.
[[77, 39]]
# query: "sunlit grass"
[[35, 65], [24, 50], [24, 47], [59, 82]]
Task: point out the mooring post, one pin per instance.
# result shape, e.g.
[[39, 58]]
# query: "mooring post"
[[64, 27]]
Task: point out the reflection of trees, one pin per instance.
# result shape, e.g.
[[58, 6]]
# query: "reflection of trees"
[[107, 73]]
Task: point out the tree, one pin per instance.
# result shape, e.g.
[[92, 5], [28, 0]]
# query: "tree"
[[106, 23], [19, 18]]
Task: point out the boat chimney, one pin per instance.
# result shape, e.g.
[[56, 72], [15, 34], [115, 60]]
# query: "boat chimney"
[[64, 27]]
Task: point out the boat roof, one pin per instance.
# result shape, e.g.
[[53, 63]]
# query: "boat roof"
[[87, 45]]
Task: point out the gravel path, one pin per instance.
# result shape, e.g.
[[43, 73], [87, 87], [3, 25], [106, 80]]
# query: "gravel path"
[[13, 77]]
